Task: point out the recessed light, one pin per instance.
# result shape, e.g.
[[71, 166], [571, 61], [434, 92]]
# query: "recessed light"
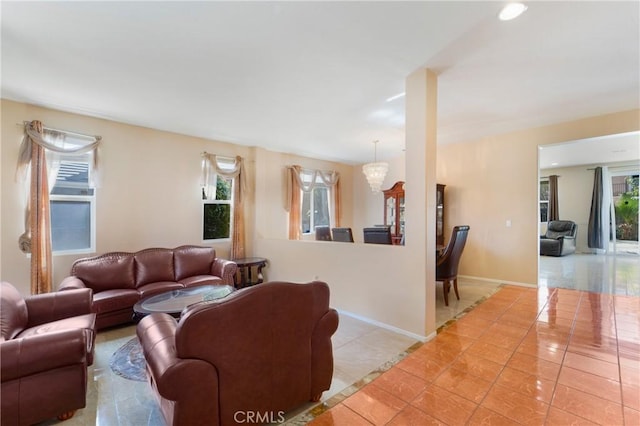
[[511, 11], [554, 164], [393, 98]]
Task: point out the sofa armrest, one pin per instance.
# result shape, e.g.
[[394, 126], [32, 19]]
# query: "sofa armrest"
[[322, 353], [50, 307], [175, 378], [41, 352], [71, 283], [225, 269]]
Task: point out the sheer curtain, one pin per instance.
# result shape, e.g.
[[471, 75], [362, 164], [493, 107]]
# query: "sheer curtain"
[[602, 214], [295, 183], [36, 239], [210, 169]]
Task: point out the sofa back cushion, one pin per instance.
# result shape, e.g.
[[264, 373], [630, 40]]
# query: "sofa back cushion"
[[13, 312], [107, 272], [154, 265], [190, 261]]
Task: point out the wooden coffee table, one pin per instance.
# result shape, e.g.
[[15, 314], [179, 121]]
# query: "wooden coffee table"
[[173, 302]]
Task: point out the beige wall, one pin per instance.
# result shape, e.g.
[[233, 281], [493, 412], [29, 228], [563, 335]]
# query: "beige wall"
[[149, 190], [492, 180], [149, 197]]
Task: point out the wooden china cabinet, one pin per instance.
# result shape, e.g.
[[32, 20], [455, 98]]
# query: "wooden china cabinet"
[[394, 212]]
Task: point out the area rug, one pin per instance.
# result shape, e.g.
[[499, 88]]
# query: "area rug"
[[128, 361]]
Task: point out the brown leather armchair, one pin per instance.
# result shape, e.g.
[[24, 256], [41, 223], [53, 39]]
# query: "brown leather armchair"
[[46, 343], [246, 358]]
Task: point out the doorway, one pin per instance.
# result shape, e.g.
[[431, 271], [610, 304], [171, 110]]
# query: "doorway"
[[574, 162], [624, 191]]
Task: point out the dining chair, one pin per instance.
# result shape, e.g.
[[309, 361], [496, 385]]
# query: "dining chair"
[[343, 235], [447, 263], [377, 235], [323, 233]]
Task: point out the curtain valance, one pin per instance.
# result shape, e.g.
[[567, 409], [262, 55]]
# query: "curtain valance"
[[211, 167], [54, 141]]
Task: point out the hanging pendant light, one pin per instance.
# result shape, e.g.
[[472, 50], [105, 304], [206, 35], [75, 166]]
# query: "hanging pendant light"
[[375, 172]]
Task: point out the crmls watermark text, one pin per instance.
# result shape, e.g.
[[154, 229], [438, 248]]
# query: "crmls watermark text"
[[258, 417]]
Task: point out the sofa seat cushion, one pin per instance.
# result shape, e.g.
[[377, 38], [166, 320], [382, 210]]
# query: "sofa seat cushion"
[[156, 288], [114, 300], [85, 322], [81, 321], [199, 280]]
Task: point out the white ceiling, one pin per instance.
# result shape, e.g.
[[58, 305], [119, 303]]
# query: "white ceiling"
[[311, 78]]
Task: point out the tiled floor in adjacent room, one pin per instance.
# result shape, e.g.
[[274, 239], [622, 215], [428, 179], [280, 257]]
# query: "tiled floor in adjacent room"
[[524, 356]]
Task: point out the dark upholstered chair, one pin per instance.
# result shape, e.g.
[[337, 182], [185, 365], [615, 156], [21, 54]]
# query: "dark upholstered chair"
[[560, 238], [323, 233], [447, 263], [377, 235], [342, 234], [264, 350], [46, 344]]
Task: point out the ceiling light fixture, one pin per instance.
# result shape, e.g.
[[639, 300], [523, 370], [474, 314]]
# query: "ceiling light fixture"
[[512, 11], [375, 172], [393, 98]]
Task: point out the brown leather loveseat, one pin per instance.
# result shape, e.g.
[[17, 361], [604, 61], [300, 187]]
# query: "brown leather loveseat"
[[119, 280], [46, 343], [244, 359]]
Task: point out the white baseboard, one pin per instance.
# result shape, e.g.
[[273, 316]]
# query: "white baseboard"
[[496, 280], [388, 327]]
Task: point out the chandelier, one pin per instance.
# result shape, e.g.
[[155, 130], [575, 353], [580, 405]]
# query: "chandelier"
[[375, 172]]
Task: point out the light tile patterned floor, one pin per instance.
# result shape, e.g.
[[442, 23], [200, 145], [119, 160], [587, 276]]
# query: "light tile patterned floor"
[[524, 356]]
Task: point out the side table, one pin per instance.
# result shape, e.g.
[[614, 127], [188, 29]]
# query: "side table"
[[245, 276]]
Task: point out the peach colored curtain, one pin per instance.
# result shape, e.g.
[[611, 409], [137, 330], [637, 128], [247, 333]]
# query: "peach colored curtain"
[[293, 196], [40, 224], [295, 184], [337, 203], [37, 236], [210, 169]]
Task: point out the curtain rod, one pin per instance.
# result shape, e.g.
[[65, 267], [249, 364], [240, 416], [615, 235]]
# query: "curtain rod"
[[24, 123]]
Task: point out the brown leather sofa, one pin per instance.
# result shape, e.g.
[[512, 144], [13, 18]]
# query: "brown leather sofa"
[[46, 343], [119, 280], [245, 359]]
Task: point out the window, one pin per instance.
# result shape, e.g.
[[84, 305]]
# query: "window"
[[217, 209], [544, 199], [315, 205], [72, 205]]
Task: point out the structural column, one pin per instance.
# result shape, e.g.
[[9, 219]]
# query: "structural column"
[[420, 190]]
